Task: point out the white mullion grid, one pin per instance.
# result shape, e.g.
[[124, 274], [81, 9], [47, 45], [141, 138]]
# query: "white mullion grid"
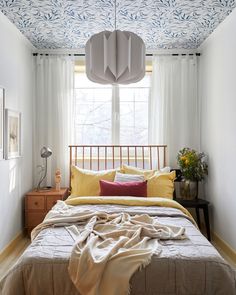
[[115, 114]]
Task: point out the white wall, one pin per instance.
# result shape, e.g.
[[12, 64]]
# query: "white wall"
[[16, 76], [217, 80]]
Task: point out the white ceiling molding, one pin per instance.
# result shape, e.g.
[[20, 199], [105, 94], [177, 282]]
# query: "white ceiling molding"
[[148, 52]]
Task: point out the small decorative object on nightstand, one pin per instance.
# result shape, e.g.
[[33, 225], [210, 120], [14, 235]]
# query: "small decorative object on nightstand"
[[38, 203], [58, 179]]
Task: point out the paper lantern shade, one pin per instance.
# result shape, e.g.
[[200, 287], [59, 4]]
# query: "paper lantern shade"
[[116, 57]]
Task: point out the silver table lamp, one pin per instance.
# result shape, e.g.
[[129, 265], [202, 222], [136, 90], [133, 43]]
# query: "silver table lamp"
[[44, 153]]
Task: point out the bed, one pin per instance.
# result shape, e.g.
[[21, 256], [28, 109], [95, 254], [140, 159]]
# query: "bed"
[[189, 265]]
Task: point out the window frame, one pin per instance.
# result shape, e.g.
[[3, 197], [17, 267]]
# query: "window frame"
[[115, 107]]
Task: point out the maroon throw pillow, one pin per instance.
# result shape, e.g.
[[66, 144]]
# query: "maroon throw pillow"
[[134, 188]]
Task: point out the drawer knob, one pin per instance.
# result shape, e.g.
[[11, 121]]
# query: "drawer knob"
[[35, 203]]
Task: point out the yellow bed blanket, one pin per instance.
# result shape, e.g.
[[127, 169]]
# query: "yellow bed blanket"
[[129, 201]]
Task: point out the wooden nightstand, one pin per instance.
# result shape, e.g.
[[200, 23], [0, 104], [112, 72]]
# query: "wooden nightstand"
[[198, 204], [38, 203]]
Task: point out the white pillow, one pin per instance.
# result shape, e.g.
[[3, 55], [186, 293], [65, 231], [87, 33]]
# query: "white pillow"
[[165, 170], [121, 177]]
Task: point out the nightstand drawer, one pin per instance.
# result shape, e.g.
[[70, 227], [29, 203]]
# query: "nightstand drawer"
[[34, 219], [38, 203], [35, 203], [51, 201]]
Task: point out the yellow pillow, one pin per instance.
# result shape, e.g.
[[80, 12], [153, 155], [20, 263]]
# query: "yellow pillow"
[[86, 182], [161, 185], [134, 170]]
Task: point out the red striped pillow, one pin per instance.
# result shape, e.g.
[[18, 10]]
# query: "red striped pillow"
[[134, 189]]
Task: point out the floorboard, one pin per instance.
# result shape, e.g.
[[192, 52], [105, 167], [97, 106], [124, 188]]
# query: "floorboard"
[[10, 260]]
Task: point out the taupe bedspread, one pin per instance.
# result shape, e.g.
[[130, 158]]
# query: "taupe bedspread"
[[190, 266]]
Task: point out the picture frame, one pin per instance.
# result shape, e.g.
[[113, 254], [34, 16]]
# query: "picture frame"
[[13, 134], [2, 121]]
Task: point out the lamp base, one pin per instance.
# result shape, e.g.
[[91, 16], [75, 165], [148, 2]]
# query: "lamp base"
[[46, 188]]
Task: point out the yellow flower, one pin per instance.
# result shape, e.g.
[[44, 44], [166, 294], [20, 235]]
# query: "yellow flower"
[[185, 160]]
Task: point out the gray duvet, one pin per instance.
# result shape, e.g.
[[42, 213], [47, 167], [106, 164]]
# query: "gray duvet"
[[187, 267]]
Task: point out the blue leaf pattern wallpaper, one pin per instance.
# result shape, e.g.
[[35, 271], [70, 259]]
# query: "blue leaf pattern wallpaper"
[[163, 24]]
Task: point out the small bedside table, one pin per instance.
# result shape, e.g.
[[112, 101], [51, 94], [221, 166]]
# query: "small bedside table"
[[198, 204], [38, 203]]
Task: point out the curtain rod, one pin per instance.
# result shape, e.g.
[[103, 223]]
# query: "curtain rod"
[[148, 54]]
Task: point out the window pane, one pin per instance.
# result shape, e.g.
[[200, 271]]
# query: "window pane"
[[92, 112], [81, 81], [134, 112]]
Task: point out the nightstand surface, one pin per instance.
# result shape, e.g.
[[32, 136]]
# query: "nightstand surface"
[[50, 192], [198, 204]]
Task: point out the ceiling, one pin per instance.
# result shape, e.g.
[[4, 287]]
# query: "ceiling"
[[163, 24]]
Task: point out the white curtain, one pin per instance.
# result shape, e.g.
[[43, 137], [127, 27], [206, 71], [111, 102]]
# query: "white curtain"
[[174, 109], [52, 113]]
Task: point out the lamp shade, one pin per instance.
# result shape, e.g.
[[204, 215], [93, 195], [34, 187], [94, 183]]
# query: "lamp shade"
[[45, 152], [116, 57]]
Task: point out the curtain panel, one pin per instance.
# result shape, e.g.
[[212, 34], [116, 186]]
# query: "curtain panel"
[[52, 114], [174, 108]]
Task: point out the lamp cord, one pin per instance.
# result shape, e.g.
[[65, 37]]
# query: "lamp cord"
[[44, 176]]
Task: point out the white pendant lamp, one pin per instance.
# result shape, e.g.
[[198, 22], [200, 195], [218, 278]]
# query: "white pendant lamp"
[[116, 57]]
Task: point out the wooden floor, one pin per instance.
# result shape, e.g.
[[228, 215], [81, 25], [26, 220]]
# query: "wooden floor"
[[222, 253], [9, 261]]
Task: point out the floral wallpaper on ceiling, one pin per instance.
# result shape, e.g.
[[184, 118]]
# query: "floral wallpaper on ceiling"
[[163, 24]]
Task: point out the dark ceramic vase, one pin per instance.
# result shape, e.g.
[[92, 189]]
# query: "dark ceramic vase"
[[189, 189]]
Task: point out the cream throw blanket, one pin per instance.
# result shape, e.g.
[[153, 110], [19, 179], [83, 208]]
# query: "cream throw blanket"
[[109, 248]]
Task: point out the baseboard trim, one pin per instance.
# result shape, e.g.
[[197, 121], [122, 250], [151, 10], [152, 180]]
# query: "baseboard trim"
[[227, 249], [9, 248]]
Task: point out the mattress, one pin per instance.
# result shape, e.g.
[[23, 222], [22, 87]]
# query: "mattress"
[[189, 266]]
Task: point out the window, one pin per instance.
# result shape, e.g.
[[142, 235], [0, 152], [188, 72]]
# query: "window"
[[134, 100], [92, 118], [106, 114]]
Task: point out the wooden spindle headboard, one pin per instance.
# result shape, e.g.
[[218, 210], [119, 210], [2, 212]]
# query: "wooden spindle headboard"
[[102, 157]]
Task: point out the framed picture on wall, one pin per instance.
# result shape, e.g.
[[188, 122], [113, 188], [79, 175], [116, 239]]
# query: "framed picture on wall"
[[13, 134], [2, 106]]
